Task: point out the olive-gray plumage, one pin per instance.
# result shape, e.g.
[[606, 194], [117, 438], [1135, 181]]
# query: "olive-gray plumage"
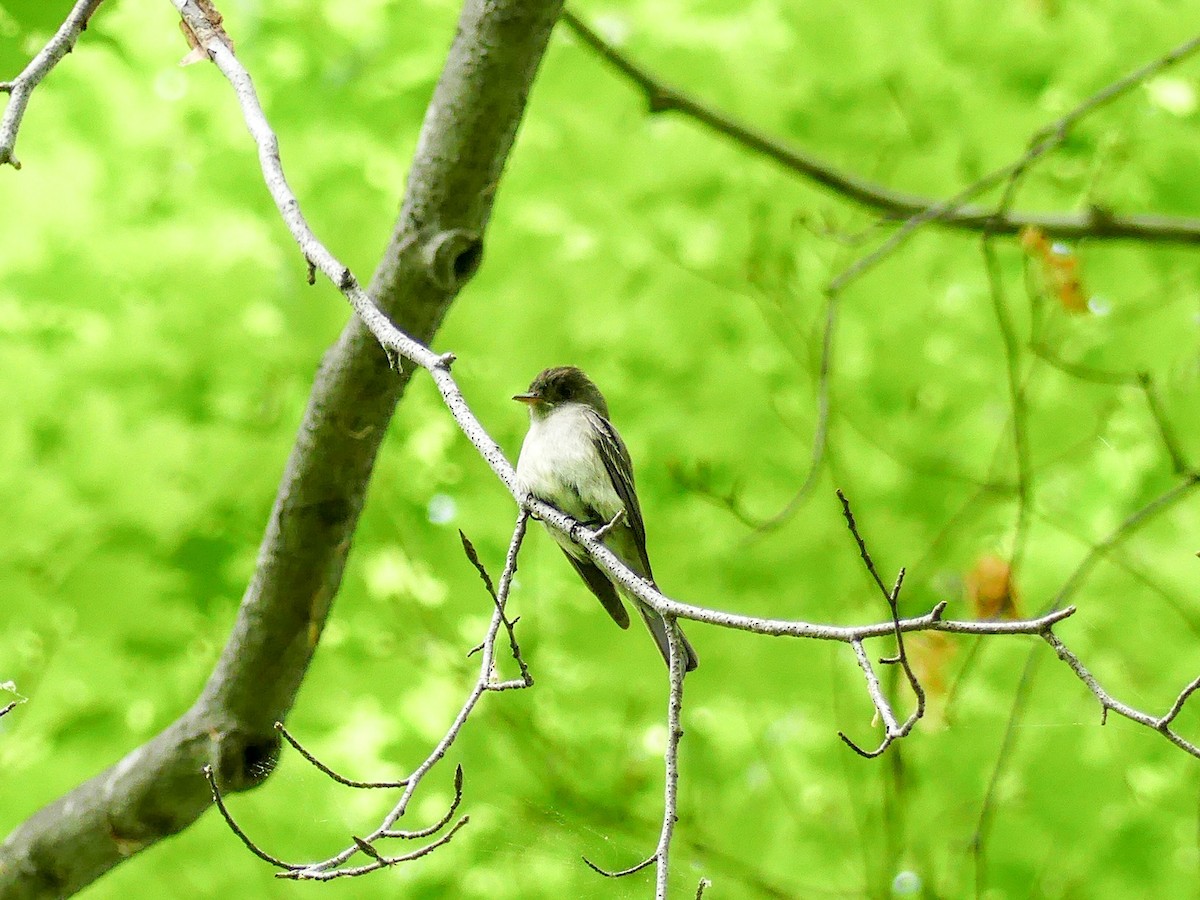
[[574, 459]]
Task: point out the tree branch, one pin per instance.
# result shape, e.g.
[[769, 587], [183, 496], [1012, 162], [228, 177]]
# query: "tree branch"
[[20, 89], [157, 789], [335, 866], [1096, 223], [675, 667], [1161, 724]]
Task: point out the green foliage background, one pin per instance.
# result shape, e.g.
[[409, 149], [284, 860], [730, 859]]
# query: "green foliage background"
[[157, 343]]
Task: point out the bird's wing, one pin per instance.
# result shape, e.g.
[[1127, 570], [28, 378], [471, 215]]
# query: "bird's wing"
[[599, 585], [620, 472]]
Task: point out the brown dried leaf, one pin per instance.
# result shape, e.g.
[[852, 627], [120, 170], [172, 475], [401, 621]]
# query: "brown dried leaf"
[[1060, 269], [990, 589], [198, 53], [930, 654]]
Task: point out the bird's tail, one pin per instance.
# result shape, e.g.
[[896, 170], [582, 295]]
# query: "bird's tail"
[[658, 628]]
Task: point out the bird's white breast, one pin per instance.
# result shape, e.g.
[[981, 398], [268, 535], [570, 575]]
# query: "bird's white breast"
[[560, 463]]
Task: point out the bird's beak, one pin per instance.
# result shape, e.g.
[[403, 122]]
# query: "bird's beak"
[[529, 398]]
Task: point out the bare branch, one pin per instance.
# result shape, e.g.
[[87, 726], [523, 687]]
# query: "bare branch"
[[848, 515], [621, 873], [676, 660], [662, 852], [379, 861], [891, 727], [1095, 223], [1177, 706], [893, 730], [1161, 724], [213, 40], [363, 846], [20, 89], [335, 866], [441, 823], [219, 800], [526, 679], [340, 779]]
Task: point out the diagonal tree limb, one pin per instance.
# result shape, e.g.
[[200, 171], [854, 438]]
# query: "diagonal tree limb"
[[1095, 223], [157, 789]]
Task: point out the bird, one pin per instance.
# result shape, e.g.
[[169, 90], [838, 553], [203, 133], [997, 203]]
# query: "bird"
[[574, 459]]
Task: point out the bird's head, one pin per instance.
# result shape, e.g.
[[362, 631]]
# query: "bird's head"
[[559, 386]]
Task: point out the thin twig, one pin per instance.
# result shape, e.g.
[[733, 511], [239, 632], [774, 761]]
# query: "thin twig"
[[1077, 370], [340, 779], [1016, 396], [438, 825], [1095, 223], [848, 514], [526, 679], [891, 728], [821, 430], [1170, 441], [605, 529], [901, 656], [20, 89], [621, 873], [1177, 706], [236, 829]]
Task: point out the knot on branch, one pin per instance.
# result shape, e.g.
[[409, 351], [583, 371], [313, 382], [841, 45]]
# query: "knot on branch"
[[243, 761], [452, 257], [1101, 217], [660, 100]]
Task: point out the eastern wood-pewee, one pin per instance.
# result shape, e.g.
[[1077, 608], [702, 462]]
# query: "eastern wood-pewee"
[[574, 459]]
